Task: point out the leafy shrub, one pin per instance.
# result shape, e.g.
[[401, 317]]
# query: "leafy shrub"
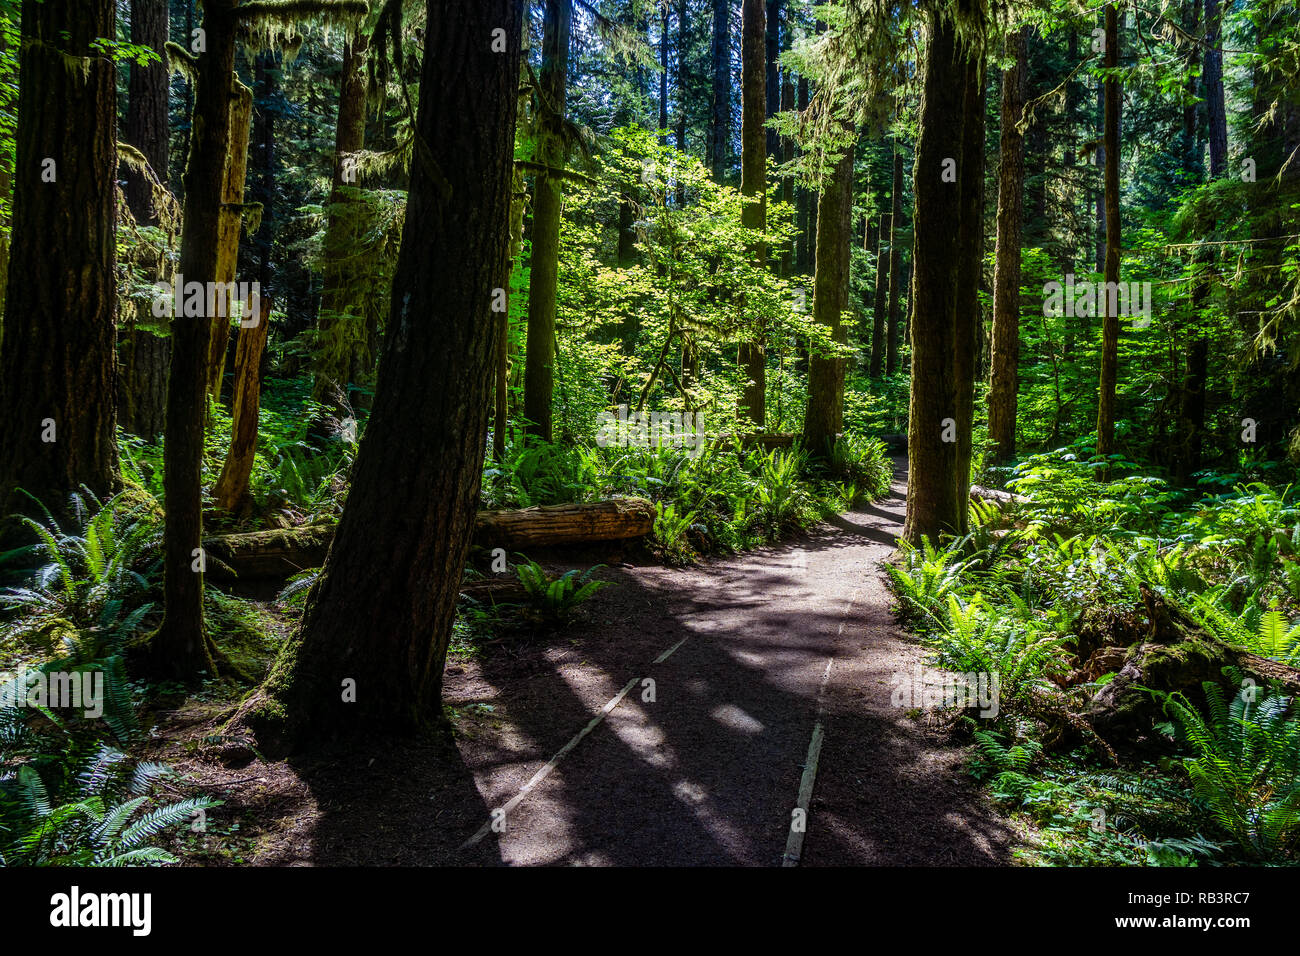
[[554, 599], [1247, 767]]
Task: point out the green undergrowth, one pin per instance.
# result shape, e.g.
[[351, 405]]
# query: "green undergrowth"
[[1066, 557]]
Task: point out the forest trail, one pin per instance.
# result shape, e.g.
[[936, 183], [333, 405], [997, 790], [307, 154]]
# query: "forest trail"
[[747, 656]]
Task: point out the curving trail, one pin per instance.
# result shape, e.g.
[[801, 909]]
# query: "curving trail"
[[676, 725]]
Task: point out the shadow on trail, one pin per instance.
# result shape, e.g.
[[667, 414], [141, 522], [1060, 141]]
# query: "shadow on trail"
[[708, 772]]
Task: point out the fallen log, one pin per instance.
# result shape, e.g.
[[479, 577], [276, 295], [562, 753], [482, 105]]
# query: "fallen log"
[[1174, 655], [565, 524], [281, 552], [275, 553]]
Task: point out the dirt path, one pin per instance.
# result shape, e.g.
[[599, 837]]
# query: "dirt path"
[[748, 657]]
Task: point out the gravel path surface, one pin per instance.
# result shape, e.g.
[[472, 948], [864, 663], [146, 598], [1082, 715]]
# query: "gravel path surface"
[[700, 761]]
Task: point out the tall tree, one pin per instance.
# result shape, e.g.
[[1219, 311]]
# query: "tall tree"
[[142, 395], [720, 112], [895, 261], [58, 374], [1005, 365], [379, 620], [1108, 302], [218, 155], [772, 77], [948, 187], [539, 369], [342, 353], [880, 298], [1196, 369], [181, 647], [825, 412], [753, 188]]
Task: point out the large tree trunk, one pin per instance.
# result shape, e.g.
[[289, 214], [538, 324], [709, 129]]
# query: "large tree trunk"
[[941, 325], [144, 354], [1191, 412], [772, 78], [1005, 374], [181, 647], [1213, 80], [720, 115], [1106, 303], [895, 262], [231, 489], [969, 328], [539, 370], [58, 374], [825, 413], [753, 187], [380, 617], [343, 341]]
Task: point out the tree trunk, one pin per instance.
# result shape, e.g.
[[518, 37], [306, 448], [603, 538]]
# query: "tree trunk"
[[939, 330], [824, 417], [753, 187], [343, 341], [1106, 303], [181, 648], [720, 115], [895, 263], [787, 182], [772, 77], [231, 489], [806, 237], [1213, 79], [1005, 376], [58, 374], [381, 615], [231, 223], [969, 331], [143, 353], [539, 370], [1191, 412]]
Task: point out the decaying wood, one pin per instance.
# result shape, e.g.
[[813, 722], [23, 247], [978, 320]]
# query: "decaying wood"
[[231, 490], [1175, 655], [279, 553], [565, 524]]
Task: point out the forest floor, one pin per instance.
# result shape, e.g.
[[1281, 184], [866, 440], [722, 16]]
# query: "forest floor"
[[726, 670]]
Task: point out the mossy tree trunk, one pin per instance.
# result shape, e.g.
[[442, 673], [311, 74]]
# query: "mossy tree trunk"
[[230, 223], [343, 341], [382, 612], [58, 365], [142, 395], [1005, 371]]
